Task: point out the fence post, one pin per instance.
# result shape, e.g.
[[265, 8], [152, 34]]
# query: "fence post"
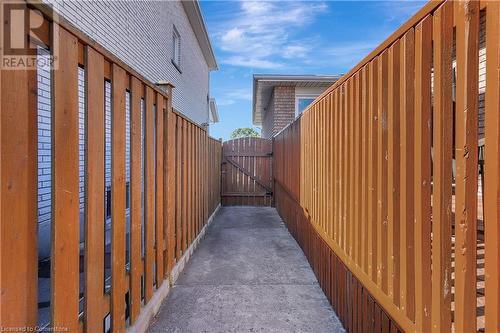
[[169, 179], [18, 198]]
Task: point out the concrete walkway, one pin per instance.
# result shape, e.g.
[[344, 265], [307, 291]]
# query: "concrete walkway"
[[247, 275]]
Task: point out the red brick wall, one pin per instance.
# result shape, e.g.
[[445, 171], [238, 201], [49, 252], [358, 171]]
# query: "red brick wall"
[[280, 112]]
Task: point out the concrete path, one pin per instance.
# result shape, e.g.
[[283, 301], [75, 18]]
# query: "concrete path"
[[247, 275]]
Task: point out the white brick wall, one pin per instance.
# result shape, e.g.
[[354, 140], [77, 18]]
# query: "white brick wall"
[[140, 34]]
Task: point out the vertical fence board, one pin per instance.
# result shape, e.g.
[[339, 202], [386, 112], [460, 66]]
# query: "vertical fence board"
[[170, 185], [372, 172], [364, 167], [179, 200], [359, 169], [18, 198], [345, 170], [160, 241], [442, 172], [466, 148], [65, 201], [94, 190], [149, 195], [393, 173], [348, 180], [423, 63], [118, 198], [185, 189], [382, 172], [407, 217], [335, 162], [135, 198], [189, 186]]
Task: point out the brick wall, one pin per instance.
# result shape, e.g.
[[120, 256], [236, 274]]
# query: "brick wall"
[[284, 107], [280, 111]]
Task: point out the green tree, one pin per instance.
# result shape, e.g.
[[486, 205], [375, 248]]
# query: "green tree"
[[244, 132]]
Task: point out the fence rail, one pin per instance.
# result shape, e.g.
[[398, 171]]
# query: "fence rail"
[[384, 166], [174, 188]]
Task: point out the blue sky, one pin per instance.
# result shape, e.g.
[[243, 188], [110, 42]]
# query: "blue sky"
[[289, 37]]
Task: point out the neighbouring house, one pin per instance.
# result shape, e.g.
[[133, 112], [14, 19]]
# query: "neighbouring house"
[[279, 99], [161, 40]]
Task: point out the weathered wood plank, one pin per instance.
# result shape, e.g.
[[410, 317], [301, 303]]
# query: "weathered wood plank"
[[149, 194], [159, 190], [18, 197], [407, 208], [442, 168], [382, 172], [372, 171], [394, 180], [423, 134], [135, 198], [170, 184], [94, 190], [185, 188], [179, 201], [466, 156], [65, 197], [118, 199], [364, 165]]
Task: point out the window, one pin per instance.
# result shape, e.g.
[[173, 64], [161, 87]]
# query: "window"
[[176, 48], [302, 102]]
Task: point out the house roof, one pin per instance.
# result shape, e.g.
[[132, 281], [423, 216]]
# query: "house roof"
[[263, 85], [195, 17]]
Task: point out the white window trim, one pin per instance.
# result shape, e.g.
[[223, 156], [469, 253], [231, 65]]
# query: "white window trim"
[[176, 58], [302, 96]]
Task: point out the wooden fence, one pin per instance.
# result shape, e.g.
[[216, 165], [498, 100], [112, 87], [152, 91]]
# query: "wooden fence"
[[214, 183], [178, 191], [247, 172], [381, 172]]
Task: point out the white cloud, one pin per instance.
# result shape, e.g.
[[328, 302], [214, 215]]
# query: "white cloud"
[[295, 51], [225, 102], [346, 54], [242, 94], [232, 36], [400, 11], [248, 61], [351, 49], [261, 34], [255, 7], [230, 97]]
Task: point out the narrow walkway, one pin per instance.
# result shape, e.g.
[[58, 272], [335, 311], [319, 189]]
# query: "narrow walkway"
[[247, 275]]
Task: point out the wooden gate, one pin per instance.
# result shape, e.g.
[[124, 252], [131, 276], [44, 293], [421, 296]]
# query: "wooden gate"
[[247, 172]]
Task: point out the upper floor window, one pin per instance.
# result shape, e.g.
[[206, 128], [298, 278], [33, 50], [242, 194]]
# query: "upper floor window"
[[302, 102], [176, 48]]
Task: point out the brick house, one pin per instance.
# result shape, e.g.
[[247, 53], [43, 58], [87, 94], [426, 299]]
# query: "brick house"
[[161, 40], [279, 99]]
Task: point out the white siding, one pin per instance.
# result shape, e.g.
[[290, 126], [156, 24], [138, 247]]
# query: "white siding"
[[140, 34]]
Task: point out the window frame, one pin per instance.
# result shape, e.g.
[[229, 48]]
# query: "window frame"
[[302, 96], [176, 49]]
